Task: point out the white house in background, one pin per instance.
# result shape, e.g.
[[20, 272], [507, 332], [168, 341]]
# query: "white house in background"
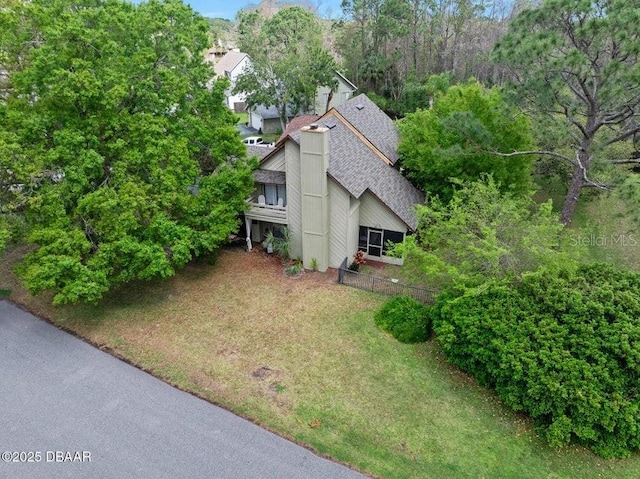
[[230, 66], [334, 184], [344, 92]]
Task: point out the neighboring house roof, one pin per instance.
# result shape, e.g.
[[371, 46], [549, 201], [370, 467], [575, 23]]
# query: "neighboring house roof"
[[269, 113], [357, 162], [296, 123], [228, 62], [346, 80], [266, 113]]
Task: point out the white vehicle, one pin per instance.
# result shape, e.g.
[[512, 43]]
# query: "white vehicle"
[[255, 141]]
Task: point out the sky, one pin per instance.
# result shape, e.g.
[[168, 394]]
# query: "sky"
[[229, 8]]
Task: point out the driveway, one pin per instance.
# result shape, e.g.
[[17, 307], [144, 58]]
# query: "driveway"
[[70, 410], [246, 130]]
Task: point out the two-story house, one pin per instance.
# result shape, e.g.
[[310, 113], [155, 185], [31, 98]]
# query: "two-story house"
[[334, 184], [231, 65]]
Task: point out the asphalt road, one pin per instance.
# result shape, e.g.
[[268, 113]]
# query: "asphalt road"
[[69, 410]]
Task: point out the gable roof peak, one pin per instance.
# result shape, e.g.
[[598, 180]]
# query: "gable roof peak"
[[229, 62], [372, 123]]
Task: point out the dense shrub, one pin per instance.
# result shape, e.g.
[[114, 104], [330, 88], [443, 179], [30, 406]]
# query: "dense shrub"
[[406, 319], [564, 348]]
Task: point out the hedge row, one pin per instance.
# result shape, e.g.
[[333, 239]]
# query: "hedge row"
[[564, 348]]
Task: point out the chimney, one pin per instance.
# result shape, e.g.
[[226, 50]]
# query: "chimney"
[[314, 162]]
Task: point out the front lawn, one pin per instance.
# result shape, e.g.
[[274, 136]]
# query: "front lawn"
[[303, 358]]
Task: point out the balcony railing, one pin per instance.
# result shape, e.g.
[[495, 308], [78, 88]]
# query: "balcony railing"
[[265, 212]]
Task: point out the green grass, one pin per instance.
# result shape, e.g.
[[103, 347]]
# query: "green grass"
[[601, 232], [303, 358], [600, 229], [242, 118]]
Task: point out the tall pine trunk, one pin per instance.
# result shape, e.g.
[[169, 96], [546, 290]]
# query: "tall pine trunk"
[[575, 186]]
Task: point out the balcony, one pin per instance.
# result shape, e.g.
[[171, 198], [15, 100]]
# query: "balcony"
[[259, 210]]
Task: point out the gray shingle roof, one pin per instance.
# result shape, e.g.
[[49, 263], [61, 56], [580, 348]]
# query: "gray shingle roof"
[[373, 123], [270, 112], [358, 168], [270, 177], [259, 151]]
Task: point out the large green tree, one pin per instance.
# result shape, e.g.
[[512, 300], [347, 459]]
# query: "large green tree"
[[385, 43], [124, 163], [455, 140], [370, 42], [288, 60], [576, 65], [482, 235]]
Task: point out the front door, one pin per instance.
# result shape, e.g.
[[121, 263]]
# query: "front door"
[[375, 242]]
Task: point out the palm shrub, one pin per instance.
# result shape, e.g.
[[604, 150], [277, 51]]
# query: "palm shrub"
[[281, 244], [406, 319], [563, 347]]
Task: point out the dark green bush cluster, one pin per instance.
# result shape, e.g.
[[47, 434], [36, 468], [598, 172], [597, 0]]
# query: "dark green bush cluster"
[[564, 348], [406, 319]]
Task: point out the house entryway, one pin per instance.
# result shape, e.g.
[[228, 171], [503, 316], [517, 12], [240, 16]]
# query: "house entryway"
[[374, 241]]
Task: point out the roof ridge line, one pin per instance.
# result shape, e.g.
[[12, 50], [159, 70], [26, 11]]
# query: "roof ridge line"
[[357, 132]]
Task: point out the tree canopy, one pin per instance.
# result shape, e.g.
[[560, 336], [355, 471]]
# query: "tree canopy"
[[456, 138], [480, 235], [288, 60], [576, 65], [387, 43], [125, 165]]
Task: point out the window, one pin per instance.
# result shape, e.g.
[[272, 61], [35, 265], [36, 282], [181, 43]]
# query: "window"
[[363, 238], [393, 237], [272, 193], [374, 241]]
